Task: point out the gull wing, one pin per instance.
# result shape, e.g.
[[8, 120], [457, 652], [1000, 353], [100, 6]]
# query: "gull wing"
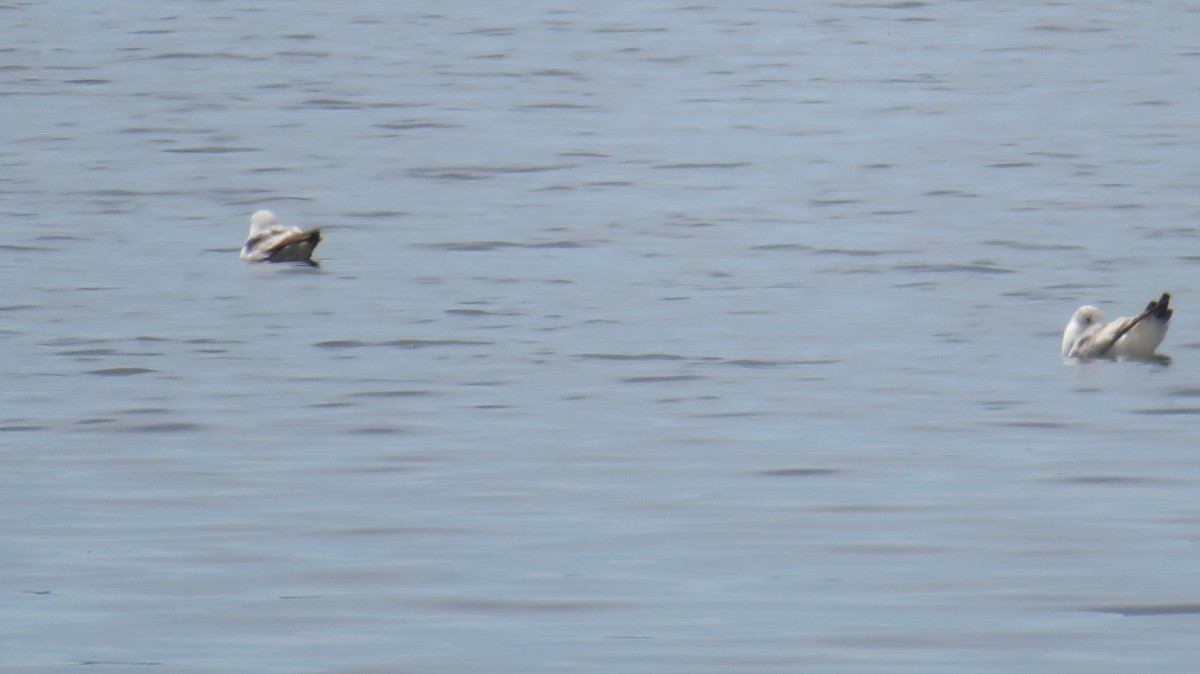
[[295, 246]]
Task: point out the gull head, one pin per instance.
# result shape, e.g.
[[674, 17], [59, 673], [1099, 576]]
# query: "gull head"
[[1085, 319], [262, 220]]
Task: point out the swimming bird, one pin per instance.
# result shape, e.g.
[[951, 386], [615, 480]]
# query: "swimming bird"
[[270, 241], [1087, 336]]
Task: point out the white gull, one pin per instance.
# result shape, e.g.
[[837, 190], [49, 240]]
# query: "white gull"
[[270, 241], [1087, 336]]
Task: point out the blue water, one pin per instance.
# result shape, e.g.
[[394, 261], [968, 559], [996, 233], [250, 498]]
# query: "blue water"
[[646, 338]]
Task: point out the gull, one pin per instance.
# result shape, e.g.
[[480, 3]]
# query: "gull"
[[1087, 336], [270, 241]]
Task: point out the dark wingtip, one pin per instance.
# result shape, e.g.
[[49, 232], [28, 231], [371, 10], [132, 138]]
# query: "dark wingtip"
[[1161, 309], [314, 235]]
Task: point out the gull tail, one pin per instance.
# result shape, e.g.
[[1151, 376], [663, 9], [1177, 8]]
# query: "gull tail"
[[1160, 309], [313, 238]]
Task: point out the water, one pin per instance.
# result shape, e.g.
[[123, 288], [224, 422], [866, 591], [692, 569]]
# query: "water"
[[665, 338]]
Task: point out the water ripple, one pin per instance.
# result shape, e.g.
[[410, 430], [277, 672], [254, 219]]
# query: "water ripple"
[[121, 371], [797, 472], [1169, 411], [975, 268], [485, 246], [631, 356], [1142, 610], [658, 379], [402, 343]]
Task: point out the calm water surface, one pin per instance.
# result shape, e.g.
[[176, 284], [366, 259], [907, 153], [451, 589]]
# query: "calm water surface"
[[647, 338]]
